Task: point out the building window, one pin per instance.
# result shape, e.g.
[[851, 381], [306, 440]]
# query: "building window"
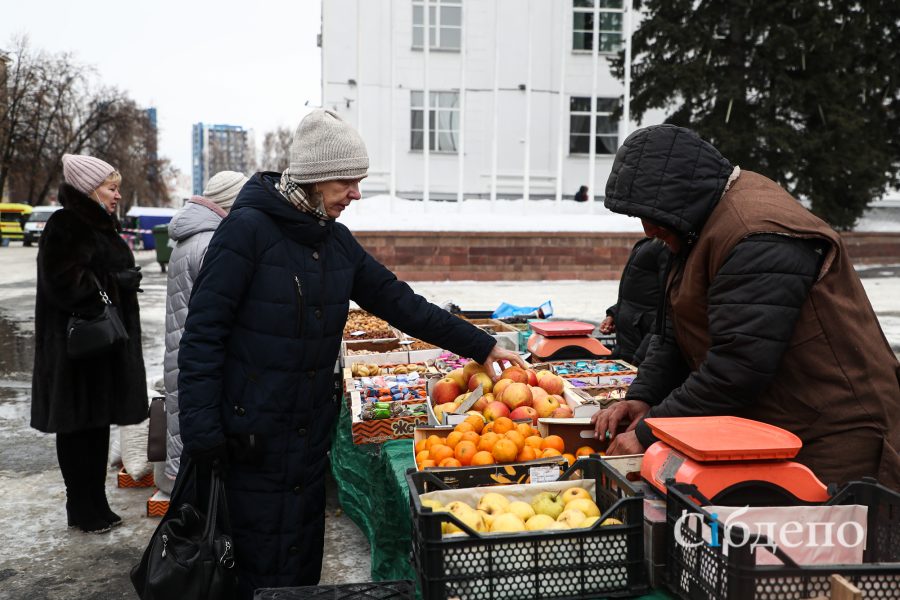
[[443, 121], [444, 20], [607, 138], [610, 25]]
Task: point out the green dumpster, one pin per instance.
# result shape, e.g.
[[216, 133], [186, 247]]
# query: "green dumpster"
[[163, 250]]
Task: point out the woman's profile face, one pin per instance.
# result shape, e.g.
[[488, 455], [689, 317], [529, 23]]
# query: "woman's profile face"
[[338, 194], [108, 195]]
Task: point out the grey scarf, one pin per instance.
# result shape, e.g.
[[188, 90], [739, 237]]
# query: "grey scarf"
[[294, 194]]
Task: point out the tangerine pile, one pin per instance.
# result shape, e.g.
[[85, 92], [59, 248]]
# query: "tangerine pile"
[[476, 443]]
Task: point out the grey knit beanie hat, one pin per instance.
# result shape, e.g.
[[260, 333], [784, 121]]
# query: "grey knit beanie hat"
[[85, 173], [325, 147], [223, 187]]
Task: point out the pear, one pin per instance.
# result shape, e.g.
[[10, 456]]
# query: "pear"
[[521, 509], [493, 503], [586, 506], [507, 523], [548, 503], [571, 517], [539, 522]]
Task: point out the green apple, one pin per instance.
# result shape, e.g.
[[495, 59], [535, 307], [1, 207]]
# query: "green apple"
[[507, 523], [548, 503], [493, 503], [574, 493], [589, 522], [539, 522], [521, 509], [586, 506], [571, 517]]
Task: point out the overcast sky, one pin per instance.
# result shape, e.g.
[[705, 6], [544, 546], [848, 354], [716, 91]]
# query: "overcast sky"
[[216, 61]]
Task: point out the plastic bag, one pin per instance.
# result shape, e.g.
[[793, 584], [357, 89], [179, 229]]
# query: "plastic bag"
[[505, 309]]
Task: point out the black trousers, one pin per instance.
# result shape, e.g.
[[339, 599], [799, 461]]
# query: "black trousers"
[[82, 459]]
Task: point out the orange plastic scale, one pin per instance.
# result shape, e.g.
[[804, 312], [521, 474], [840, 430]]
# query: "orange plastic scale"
[[564, 340], [730, 460]]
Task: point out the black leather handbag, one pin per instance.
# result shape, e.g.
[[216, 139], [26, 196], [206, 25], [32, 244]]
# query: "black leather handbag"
[[86, 338], [190, 556]]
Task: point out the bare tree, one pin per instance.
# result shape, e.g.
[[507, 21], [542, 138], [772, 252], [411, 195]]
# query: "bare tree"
[[275, 154]]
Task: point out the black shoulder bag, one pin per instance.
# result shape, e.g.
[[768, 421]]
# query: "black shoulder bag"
[[190, 556], [86, 338]]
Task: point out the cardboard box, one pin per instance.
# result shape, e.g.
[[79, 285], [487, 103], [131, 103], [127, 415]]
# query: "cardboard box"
[[379, 431], [158, 504], [124, 480], [506, 336], [590, 375], [574, 432], [383, 352]]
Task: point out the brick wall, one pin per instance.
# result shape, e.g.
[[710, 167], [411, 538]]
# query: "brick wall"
[[491, 256]]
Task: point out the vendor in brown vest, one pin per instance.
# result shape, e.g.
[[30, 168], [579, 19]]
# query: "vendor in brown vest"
[[765, 317]]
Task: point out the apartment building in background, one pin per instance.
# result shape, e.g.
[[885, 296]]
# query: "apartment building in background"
[[509, 93], [219, 148]]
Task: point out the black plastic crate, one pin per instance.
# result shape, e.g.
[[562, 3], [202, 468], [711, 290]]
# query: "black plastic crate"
[[377, 590], [553, 565], [699, 571]]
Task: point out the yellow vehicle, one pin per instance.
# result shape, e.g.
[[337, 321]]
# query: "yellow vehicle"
[[12, 216]]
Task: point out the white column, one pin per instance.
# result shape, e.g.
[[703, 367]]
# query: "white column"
[[496, 103], [526, 166], [359, 71], [392, 185], [626, 100], [426, 103], [323, 12], [595, 59], [461, 149], [561, 116]]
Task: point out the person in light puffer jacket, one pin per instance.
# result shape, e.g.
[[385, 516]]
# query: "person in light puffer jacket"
[[191, 229]]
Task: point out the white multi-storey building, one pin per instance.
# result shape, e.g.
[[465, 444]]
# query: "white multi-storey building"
[[510, 84]]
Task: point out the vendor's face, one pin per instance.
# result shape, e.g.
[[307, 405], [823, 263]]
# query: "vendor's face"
[[661, 233], [108, 195], [338, 194]]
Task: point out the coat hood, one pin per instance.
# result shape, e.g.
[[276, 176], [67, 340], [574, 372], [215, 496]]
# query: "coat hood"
[[669, 176], [196, 216], [260, 193]]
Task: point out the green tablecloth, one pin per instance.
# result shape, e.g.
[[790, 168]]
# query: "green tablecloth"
[[372, 490]]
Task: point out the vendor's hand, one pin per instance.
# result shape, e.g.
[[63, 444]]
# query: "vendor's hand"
[[497, 356], [625, 443], [607, 421], [608, 325]]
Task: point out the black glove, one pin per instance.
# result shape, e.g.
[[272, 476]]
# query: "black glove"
[[129, 279], [212, 459]]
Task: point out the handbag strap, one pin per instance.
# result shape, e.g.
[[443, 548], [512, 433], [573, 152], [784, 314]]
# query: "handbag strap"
[[216, 497], [103, 295]]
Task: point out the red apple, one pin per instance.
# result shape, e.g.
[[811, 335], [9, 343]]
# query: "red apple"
[[495, 410], [483, 380], [501, 385], [470, 368], [445, 390], [482, 402], [553, 384], [460, 379], [516, 395], [532, 376], [517, 374], [546, 405], [524, 412], [537, 392], [563, 412]]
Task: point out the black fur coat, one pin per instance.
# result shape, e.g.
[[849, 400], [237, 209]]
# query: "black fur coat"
[[71, 395]]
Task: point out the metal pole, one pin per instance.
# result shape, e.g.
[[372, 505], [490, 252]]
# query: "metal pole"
[[392, 185], [595, 59], [359, 55], [526, 167], [626, 102], [496, 103], [426, 104], [462, 111], [560, 125]]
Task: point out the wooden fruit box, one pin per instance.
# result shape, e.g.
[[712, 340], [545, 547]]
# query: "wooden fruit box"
[[377, 352], [379, 431]]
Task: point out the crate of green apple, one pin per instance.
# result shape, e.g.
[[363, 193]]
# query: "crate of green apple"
[[573, 538], [518, 393]]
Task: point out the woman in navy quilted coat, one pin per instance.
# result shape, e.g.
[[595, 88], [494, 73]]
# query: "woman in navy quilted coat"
[[261, 338]]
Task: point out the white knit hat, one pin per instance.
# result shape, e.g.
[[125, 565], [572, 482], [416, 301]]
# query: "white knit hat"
[[324, 148], [223, 187], [85, 173]]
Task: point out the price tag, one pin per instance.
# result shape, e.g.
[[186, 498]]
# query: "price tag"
[[548, 474]]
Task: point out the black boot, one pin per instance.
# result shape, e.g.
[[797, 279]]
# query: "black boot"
[[71, 450], [99, 457]]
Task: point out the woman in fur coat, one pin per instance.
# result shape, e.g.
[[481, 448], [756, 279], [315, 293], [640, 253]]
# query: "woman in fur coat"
[[78, 399]]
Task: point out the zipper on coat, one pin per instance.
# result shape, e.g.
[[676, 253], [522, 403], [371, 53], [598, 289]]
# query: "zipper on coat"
[[299, 305]]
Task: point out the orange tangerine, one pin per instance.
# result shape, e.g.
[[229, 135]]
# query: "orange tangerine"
[[454, 438], [550, 453], [570, 458], [427, 464], [535, 441], [477, 423], [488, 428], [449, 462], [517, 438], [488, 440], [503, 424], [432, 440], [526, 453], [471, 436], [420, 445], [464, 452], [505, 451], [555, 442], [524, 429], [482, 457], [439, 452], [464, 427], [423, 455], [585, 451]]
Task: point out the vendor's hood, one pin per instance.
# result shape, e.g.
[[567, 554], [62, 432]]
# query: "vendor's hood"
[[198, 215], [669, 176]]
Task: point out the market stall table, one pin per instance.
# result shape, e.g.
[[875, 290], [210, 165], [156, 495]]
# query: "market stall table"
[[372, 491]]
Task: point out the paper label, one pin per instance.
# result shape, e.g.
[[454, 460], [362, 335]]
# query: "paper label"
[[547, 474]]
